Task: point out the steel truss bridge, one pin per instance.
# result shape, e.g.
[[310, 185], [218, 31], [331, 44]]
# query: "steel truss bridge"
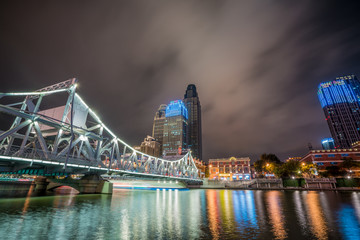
[[72, 139]]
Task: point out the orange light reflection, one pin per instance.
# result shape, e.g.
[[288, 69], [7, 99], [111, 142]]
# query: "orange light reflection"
[[275, 214], [316, 216], [213, 212]]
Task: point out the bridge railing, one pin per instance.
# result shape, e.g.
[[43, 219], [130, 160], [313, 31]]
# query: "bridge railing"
[[38, 154]]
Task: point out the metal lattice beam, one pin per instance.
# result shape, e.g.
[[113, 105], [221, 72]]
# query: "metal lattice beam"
[[78, 138]]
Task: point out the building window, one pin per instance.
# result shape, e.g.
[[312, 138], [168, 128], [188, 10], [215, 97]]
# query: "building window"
[[344, 155], [331, 155], [318, 156]]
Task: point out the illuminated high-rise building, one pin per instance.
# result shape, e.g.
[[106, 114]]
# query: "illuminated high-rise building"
[[158, 126], [175, 126], [192, 103], [328, 143], [340, 101]]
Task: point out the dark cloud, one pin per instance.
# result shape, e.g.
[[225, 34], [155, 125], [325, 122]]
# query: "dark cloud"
[[256, 64]]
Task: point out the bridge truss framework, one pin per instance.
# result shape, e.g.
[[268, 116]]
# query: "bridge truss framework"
[[76, 142]]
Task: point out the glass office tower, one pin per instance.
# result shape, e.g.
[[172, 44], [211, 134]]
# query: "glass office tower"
[[192, 103], [340, 101], [175, 126], [158, 126]]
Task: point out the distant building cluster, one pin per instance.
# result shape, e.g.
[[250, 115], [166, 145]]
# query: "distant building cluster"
[[340, 101], [176, 128]]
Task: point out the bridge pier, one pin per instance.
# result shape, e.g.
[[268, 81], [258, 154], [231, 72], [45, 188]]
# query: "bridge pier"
[[89, 184], [94, 184], [41, 184]]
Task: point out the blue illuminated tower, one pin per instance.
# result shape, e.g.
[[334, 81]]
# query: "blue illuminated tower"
[[175, 126], [328, 143], [340, 101]]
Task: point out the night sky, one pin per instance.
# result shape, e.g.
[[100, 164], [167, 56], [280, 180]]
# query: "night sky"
[[256, 64]]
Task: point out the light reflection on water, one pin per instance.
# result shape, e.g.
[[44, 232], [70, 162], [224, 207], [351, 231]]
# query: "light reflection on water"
[[276, 216], [316, 215], [195, 214]]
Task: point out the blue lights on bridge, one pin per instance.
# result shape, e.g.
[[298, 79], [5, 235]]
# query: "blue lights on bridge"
[[176, 108], [337, 91]]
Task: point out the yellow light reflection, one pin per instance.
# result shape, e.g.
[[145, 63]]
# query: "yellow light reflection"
[[275, 214], [227, 213], [316, 216], [213, 212]]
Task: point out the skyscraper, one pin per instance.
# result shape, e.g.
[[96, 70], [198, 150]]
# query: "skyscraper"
[[175, 126], [158, 126], [328, 143], [340, 102], [192, 103]]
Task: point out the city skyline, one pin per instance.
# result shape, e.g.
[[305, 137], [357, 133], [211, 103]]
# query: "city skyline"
[[256, 65]]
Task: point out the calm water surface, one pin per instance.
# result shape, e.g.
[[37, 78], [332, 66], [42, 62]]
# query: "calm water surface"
[[195, 214]]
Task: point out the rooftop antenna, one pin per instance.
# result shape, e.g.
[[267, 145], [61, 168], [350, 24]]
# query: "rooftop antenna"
[[310, 146]]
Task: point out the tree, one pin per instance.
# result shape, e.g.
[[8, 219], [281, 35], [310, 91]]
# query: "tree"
[[259, 165], [270, 158], [308, 169], [349, 164], [334, 171], [267, 163], [289, 168]]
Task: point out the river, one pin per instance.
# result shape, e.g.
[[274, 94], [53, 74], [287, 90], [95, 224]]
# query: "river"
[[194, 214]]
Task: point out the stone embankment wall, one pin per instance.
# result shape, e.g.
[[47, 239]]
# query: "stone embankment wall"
[[298, 183]]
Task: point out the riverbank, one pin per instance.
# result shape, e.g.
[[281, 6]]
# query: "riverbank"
[[303, 184], [283, 189]]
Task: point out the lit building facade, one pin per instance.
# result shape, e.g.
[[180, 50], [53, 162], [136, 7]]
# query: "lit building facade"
[[328, 143], [340, 102], [192, 103], [230, 169], [175, 126], [158, 125], [150, 146], [334, 157]]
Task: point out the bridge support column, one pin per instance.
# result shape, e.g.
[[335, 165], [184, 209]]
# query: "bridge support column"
[[94, 184], [41, 184], [105, 187]]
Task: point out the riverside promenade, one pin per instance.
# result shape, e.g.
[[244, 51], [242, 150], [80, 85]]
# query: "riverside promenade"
[[329, 184]]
